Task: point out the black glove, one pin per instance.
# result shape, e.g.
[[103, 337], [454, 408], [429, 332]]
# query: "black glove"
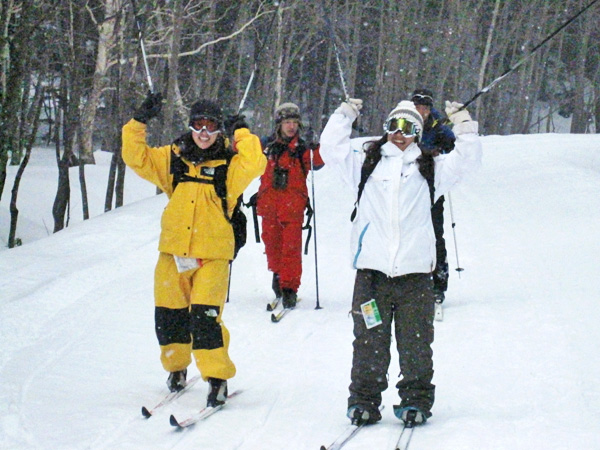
[[149, 108], [276, 149], [234, 122], [311, 138]]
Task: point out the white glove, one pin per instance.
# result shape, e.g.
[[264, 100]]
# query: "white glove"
[[456, 116], [351, 108], [356, 102]]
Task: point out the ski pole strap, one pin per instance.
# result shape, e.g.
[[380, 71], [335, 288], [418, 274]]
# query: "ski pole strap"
[[307, 225], [252, 203]]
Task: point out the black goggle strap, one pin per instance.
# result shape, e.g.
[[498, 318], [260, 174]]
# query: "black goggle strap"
[[421, 99]]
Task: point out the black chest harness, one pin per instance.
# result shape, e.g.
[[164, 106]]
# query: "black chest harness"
[[217, 176]]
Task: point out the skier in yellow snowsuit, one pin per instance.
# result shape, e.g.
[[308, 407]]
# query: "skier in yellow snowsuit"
[[196, 241]]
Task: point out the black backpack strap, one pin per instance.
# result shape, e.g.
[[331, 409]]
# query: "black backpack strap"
[[426, 167], [253, 203], [307, 226], [300, 150], [366, 170], [179, 171], [218, 178], [427, 170], [178, 168]]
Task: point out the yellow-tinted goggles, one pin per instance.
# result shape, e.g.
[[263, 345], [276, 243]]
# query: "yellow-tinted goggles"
[[402, 125]]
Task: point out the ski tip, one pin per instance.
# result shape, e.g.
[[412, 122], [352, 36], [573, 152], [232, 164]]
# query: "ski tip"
[[323, 447], [173, 421], [274, 318], [269, 307], [147, 414]]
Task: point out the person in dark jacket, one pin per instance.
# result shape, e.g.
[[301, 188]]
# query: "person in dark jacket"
[[282, 198], [437, 139]]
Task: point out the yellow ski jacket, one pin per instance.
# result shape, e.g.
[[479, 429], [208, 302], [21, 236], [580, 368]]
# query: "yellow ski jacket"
[[193, 224]]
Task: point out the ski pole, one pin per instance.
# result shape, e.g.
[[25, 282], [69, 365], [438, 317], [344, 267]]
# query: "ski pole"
[[527, 56], [241, 106], [229, 280], [337, 55], [314, 207], [142, 46], [355, 124], [458, 268]]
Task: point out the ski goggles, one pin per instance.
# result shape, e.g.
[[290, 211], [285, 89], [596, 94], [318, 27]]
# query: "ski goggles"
[[205, 124], [402, 125]]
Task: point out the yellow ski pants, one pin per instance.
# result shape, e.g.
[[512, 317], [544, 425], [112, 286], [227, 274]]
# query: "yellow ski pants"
[[188, 310]]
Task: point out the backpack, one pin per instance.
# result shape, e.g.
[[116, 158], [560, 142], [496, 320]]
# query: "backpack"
[[426, 168], [238, 219]]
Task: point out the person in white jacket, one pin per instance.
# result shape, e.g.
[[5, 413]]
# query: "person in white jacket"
[[393, 249]]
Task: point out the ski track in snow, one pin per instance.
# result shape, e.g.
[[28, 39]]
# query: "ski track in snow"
[[513, 358]]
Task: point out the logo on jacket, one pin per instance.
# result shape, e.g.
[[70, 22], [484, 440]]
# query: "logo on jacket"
[[208, 171]]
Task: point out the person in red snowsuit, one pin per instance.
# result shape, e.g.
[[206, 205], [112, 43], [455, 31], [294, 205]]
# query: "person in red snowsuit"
[[282, 198]]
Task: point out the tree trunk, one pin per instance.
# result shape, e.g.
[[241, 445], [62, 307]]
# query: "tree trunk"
[[106, 42], [174, 48], [486, 55], [580, 115], [9, 110], [14, 211]]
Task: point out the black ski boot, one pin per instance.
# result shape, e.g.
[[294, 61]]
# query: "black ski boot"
[[176, 381], [217, 392], [439, 296], [410, 415], [361, 414], [289, 298]]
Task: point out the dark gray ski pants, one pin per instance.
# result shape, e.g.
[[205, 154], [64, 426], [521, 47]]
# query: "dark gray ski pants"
[[408, 302]]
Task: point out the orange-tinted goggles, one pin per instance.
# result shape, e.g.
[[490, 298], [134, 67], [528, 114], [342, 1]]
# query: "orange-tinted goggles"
[[209, 125]]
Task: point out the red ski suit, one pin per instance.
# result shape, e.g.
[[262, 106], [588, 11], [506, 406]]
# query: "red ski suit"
[[282, 207]]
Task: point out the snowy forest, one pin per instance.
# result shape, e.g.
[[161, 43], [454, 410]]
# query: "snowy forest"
[[72, 71]]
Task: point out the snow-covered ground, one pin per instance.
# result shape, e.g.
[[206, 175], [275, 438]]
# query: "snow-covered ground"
[[515, 357]]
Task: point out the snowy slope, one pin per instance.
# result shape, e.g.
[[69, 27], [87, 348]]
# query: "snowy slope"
[[515, 358]]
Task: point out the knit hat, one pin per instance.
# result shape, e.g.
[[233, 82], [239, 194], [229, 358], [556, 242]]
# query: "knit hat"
[[206, 109], [406, 109], [287, 111], [422, 97]]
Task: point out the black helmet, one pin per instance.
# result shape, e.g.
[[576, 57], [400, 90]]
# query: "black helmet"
[[206, 109], [422, 97]]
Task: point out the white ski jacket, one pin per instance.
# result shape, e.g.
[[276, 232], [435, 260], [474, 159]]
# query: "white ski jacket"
[[392, 231]]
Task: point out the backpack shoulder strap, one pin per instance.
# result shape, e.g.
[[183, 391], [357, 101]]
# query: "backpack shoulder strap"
[[369, 164], [300, 150], [178, 168], [220, 183], [427, 170]]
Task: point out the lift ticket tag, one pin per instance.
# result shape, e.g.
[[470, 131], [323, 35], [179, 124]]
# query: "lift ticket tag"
[[370, 313], [185, 264]]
